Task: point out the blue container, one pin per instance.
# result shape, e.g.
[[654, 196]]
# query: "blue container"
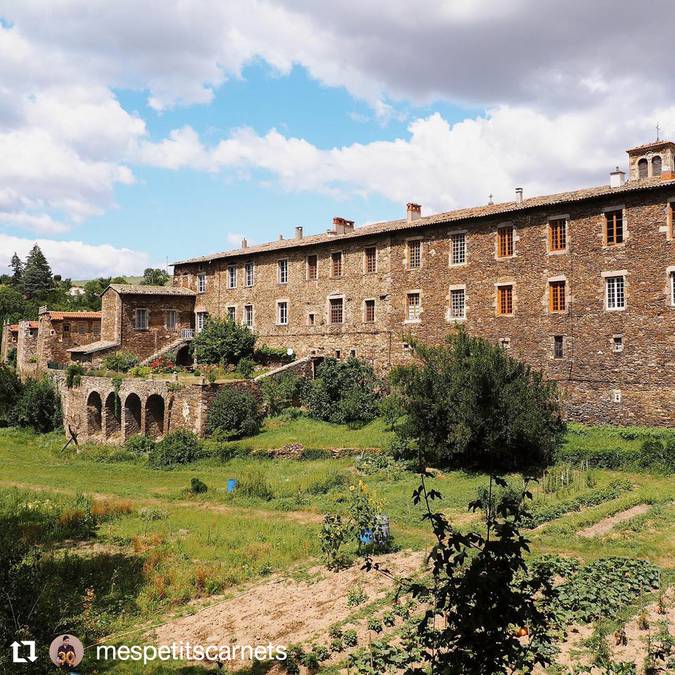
[[231, 484], [366, 536]]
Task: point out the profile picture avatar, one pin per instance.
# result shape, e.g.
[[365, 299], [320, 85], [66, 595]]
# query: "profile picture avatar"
[[66, 651]]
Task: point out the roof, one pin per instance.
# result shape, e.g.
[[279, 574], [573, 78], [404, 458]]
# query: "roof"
[[92, 347], [468, 214], [59, 316], [134, 289], [14, 327], [31, 324], [647, 146]]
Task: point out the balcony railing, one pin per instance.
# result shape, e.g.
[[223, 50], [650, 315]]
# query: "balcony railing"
[[187, 333]]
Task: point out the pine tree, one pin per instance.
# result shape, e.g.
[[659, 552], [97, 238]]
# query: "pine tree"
[[37, 275], [17, 269]]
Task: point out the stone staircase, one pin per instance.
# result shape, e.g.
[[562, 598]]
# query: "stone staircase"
[[171, 347]]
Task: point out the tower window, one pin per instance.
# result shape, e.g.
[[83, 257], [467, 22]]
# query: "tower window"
[[643, 168], [656, 166], [504, 300], [556, 296], [505, 241], [558, 346], [614, 227]]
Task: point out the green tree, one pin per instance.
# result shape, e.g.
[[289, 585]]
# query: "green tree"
[[17, 270], [223, 342], [39, 406], [467, 403], [234, 414], [10, 390], [154, 277], [37, 274], [12, 305]]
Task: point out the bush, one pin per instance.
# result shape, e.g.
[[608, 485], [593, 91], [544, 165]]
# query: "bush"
[[222, 342], [198, 487], [10, 391], [139, 444], [246, 367], [179, 447], [344, 392], [254, 484], [658, 455], [120, 361], [605, 458], [74, 373], [39, 406], [280, 392], [234, 414], [267, 355]]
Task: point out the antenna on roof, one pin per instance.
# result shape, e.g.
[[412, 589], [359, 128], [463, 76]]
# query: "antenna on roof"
[[490, 200], [658, 131]]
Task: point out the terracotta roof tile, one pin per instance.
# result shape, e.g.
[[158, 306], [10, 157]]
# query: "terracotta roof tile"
[[59, 316], [467, 214], [133, 289]]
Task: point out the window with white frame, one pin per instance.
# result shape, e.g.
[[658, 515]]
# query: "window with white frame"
[[615, 292], [201, 321], [231, 313], [457, 303], [414, 307], [282, 271], [141, 319], [414, 254], [248, 315], [171, 319], [201, 283], [231, 276], [249, 273], [282, 312], [458, 248]]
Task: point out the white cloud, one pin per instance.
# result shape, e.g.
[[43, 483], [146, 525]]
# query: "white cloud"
[[38, 223], [76, 259]]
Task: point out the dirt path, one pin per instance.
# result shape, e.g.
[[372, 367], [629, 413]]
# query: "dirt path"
[[603, 526], [283, 611]]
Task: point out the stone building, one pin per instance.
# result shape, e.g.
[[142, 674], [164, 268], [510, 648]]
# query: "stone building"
[[26, 348], [60, 331], [10, 337], [579, 284]]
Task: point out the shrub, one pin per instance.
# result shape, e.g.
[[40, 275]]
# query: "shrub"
[[10, 390], [198, 487], [344, 392], [39, 406], [74, 373], [254, 484], [267, 355], [140, 371], [246, 367], [658, 455], [234, 414], [120, 361], [139, 444], [280, 392], [222, 342], [605, 458], [179, 447]]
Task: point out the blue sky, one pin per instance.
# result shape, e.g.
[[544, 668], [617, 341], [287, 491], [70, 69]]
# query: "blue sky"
[[166, 129]]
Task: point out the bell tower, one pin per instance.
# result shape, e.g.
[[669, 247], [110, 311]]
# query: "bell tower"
[[652, 160]]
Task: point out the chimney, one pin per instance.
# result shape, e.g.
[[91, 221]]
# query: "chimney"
[[519, 195], [244, 243], [298, 232], [617, 178], [414, 211], [281, 237], [342, 225]]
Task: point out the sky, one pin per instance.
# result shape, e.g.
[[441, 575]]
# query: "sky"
[[133, 133]]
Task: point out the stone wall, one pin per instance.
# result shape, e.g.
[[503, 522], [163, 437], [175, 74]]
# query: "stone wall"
[[26, 349], [54, 341], [7, 342]]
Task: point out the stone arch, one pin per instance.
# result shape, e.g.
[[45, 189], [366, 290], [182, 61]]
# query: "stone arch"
[[656, 165], [183, 356], [113, 414], [154, 416], [643, 168], [132, 415], [94, 414]]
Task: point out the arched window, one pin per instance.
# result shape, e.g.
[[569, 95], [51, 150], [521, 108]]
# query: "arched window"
[[656, 166], [643, 168]]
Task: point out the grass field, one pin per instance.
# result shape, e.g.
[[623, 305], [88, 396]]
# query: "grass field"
[[192, 547]]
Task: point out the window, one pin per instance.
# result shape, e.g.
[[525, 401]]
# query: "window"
[[282, 271], [352, 353], [414, 308], [656, 166], [336, 310], [231, 276], [201, 321], [504, 300], [458, 248], [557, 234], [457, 303], [97, 328], [617, 343], [66, 327], [614, 227], [505, 343], [248, 315], [558, 346], [81, 328], [338, 354], [414, 255], [231, 313], [505, 241], [336, 264], [141, 319], [556, 296], [282, 313], [171, 319], [369, 311], [371, 260], [311, 318], [615, 293], [201, 283], [643, 168], [616, 396], [249, 273], [312, 267]]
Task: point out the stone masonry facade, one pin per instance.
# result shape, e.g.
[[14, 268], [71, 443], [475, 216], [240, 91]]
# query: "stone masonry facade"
[[581, 285]]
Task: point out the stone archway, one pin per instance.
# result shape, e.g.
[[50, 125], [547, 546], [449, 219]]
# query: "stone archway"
[[154, 416], [132, 415], [94, 414], [183, 356], [113, 415]]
